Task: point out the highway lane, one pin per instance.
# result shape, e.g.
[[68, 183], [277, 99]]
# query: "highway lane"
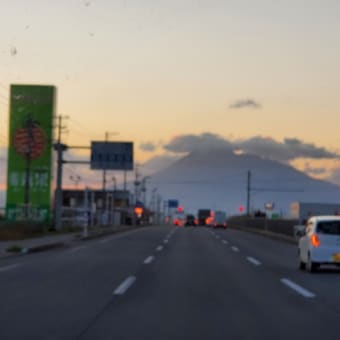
[[167, 283], [280, 258], [54, 295], [200, 288]]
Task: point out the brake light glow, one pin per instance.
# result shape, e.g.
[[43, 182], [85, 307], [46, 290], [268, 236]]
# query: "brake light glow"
[[315, 240]]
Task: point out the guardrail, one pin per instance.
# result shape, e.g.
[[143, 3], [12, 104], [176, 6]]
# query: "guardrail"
[[286, 227]]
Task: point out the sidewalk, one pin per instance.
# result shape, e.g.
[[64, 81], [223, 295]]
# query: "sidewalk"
[[44, 243], [38, 243]]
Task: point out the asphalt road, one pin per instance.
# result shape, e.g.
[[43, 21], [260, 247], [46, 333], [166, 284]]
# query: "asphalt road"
[[168, 283]]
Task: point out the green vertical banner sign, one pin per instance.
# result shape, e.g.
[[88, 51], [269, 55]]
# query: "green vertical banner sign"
[[29, 173]]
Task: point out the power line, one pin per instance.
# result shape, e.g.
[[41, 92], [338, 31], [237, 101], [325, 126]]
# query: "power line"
[[83, 130]]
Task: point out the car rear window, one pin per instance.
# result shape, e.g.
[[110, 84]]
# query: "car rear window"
[[329, 227]]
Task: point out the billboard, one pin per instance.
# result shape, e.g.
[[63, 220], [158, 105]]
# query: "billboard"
[[29, 170], [112, 155]]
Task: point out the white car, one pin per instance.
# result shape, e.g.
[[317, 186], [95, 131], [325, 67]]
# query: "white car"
[[321, 243]]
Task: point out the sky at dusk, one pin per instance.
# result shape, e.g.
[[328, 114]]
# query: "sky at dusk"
[[157, 72]]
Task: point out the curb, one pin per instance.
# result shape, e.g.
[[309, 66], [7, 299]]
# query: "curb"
[[56, 245], [107, 233], [33, 249], [43, 247]]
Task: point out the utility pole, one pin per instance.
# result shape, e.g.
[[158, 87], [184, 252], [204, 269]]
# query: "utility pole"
[[137, 183], [248, 191], [60, 148]]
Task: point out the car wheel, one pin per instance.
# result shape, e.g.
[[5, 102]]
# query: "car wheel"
[[311, 266], [302, 265]]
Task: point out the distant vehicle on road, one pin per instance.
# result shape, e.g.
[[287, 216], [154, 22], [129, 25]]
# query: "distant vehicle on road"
[[220, 219], [190, 221], [178, 218], [321, 243], [203, 215]]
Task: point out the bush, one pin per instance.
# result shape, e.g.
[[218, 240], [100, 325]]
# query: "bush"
[[20, 230]]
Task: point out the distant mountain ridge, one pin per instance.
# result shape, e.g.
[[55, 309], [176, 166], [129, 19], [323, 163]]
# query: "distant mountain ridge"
[[217, 179]]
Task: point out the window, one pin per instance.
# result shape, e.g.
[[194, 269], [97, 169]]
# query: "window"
[[329, 227]]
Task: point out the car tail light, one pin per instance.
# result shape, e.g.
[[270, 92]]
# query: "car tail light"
[[314, 240]]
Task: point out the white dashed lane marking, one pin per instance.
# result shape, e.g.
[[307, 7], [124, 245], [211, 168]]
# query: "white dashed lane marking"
[[125, 285], [159, 248], [253, 261], [300, 290], [225, 241], [235, 249], [149, 259]]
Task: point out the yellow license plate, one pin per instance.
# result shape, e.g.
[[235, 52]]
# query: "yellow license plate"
[[336, 257]]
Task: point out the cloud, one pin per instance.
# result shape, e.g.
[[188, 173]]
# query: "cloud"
[[245, 103], [189, 143], [314, 171], [148, 146], [159, 163], [287, 150]]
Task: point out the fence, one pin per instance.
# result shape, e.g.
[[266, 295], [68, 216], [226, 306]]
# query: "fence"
[[278, 226]]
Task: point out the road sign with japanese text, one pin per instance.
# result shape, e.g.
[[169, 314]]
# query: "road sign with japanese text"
[[112, 155]]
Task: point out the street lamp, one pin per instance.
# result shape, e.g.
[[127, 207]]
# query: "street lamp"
[[143, 188]]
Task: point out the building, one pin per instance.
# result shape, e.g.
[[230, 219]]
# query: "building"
[[303, 210], [96, 207]]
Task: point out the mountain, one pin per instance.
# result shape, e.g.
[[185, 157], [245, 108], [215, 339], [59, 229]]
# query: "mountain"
[[217, 179]]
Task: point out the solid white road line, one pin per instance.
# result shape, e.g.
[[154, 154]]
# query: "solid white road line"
[[78, 248], [159, 248], [149, 259], [106, 240], [225, 241], [253, 261], [235, 249], [11, 266], [302, 291], [125, 285]]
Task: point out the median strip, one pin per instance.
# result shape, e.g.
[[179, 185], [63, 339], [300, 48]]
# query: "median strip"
[[300, 290], [125, 285], [253, 261]]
